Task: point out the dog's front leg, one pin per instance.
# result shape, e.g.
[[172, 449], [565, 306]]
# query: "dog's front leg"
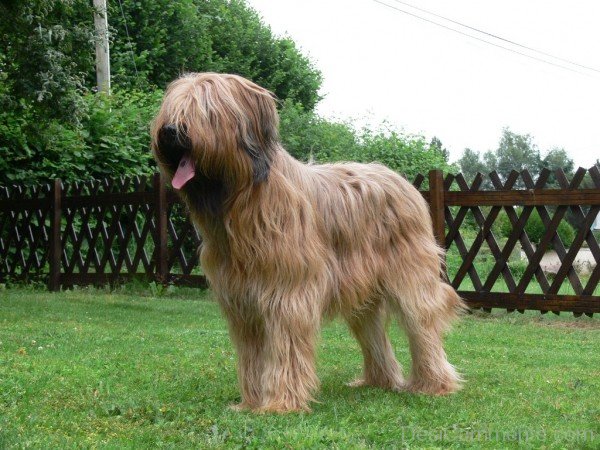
[[248, 338], [289, 378]]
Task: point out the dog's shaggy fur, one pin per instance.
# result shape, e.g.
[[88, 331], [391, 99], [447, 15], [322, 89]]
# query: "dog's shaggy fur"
[[287, 245]]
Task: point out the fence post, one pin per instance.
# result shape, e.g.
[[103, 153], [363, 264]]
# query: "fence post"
[[161, 206], [55, 251], [436, 205]]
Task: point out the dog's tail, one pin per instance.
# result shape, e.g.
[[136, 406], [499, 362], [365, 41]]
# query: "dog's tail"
[[454, 304]]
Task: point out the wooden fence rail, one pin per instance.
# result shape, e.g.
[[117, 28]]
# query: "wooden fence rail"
[[97, 232], [105, 231]]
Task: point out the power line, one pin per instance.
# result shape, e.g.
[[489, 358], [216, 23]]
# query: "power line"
[[129, 39], [495, 36], [480, 39]]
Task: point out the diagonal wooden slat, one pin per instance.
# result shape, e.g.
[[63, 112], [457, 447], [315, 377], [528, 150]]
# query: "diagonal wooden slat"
[[418, 181], [584, 234], [551, 236], [23, 230], [523, 238], [490, 239], [480, 238], [561, 210], [593, 245], [567, 262], [454, 228], [517, 231], [455, 236]]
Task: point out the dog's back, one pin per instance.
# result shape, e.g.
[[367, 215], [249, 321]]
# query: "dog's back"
[[375, 225]]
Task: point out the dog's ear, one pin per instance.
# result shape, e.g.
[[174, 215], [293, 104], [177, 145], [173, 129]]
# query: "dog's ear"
[[261, 167], [260, 132]]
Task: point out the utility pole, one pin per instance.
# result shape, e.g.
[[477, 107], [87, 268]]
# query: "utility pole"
[[102, 49]]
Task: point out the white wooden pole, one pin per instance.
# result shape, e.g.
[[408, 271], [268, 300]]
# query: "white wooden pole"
[[102, 47]]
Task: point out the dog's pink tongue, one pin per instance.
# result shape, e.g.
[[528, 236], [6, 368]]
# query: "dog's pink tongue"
[[185, 171]]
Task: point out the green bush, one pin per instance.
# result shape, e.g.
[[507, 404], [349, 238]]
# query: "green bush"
[[535, 228], [502, 226], [518, 267], [406, 154], [111, 138], [309, 137], [116, 132]]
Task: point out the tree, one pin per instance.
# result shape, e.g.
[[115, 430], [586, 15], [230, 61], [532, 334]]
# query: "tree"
[[169, 37], [50, 122], [436, 144], [407, 154], [517, 152], [470, 164], [557, 158], [47, 49], [309, 137], [490, 161]]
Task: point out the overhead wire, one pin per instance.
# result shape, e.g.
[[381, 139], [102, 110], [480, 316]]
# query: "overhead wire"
[[495, 36], [128, 39], [433, 22]]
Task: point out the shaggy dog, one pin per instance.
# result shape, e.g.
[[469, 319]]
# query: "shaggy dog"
[[287, 245]]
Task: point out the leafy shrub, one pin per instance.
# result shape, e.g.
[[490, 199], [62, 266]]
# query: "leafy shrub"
[[518, 267], [111, 139], [502, 226], [117, 135], [535, 228], [566, 233], [406, 154], [309, 137]]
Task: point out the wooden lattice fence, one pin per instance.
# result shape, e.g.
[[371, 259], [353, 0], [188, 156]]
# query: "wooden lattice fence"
[[97, 232], [498, 285], [116, 229]]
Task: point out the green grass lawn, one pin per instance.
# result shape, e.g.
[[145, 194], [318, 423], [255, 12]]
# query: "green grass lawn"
[[93, 368]]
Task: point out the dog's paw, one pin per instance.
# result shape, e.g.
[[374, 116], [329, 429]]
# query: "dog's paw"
[[432, 388], [395, 385], [359, 382], [281, 410], [239, 407]]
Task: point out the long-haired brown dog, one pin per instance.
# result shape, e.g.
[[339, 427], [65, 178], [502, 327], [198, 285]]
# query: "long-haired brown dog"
[[286, 245]]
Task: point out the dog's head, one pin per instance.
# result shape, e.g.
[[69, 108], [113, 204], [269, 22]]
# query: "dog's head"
[[217, 128]]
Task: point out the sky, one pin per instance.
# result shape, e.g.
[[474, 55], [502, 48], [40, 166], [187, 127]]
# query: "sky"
[[379, 64]]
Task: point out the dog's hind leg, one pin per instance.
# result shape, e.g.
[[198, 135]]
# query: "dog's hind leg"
[[426, 309], [289, 379], [380, 366]]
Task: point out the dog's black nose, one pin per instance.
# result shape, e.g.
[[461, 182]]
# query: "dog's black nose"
[[168, 135], [173, 140]]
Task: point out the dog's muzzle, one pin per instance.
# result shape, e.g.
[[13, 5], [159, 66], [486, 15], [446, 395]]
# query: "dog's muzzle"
[[176, 150]]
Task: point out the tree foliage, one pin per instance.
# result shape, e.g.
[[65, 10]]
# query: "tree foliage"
[[50, 121], [169, 37], [48, 48], [516, 152], [471, 164], [535, 228], [111, 138], [311, 138], [46, 51]]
